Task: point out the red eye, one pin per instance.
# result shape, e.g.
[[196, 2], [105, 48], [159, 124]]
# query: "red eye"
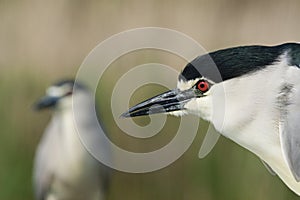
[[202, 86], [69, 93]]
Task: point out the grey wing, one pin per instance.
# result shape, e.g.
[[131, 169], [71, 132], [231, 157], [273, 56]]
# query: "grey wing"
[[290, 131], [45, 160], [92, 139]]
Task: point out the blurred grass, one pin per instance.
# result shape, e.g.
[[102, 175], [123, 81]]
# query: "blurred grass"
[[43, 41]]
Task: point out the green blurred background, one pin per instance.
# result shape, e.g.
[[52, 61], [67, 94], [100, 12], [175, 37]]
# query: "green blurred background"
[[43, 41]]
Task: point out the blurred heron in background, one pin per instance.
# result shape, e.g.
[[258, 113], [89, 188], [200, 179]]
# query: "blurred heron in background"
[[63, 168]]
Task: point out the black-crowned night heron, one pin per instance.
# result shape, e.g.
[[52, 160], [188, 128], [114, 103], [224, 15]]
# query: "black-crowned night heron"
[[259, 96], [63, 168]]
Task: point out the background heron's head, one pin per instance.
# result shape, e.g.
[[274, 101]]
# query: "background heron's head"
[[59, 95]]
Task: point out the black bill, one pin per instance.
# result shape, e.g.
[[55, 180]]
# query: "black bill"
[[170, 101], [45, 102]]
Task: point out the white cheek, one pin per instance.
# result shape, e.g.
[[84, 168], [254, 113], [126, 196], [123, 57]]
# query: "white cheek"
[[201, 107], [65, 103]]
